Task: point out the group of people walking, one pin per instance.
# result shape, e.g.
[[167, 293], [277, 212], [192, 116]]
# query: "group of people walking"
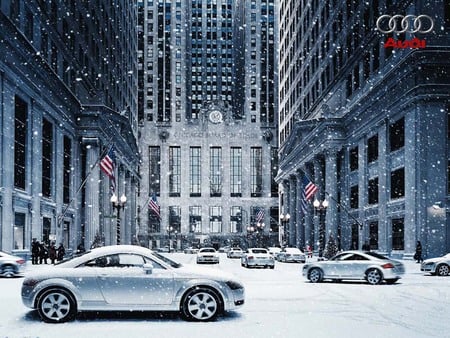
[[40, 252]]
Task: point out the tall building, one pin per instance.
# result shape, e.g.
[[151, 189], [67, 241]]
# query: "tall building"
[[68, 78], [364, 114], [207, 118]]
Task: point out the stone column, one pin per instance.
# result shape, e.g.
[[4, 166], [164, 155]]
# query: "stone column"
[[300, 238], [331, 225], [318, 176], [308, 217], [91, 207], [292, 211]]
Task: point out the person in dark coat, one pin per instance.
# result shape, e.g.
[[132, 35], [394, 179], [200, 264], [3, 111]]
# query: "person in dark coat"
[[418, 254], [35, 251], [61, 252], [43, 253], [52, 253]]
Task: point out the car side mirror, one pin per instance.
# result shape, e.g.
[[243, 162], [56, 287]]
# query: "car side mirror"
[[148, 268]]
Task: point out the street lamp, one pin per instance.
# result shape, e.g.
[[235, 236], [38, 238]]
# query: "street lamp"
[[118, 204], [259, 233], [284, 219], [321, 208], [250, 230]]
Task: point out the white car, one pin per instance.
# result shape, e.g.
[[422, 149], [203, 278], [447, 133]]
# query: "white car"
[[10, 265], [129, 278], [255, 257], [355, 265], [235, 253], [439, 266], [291, 255], [274, 250], [207, 255]]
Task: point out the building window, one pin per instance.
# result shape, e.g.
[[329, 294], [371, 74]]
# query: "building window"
[[19, 231], [354, 195], [236, 219], [67, 169], [372, 149], [355, 236], [398, 234], [274, 226], [273, 172], [154, 170], [175, 218], [373, 235], [354, 159], [215, 177], [195, 219], [20, 142], [174, 171], [256, 171], [47, 157], [195, 171], [373, 191], [215, 219], [448, 176], [397, 134], [398, 183], [236, 172], [46, 228]]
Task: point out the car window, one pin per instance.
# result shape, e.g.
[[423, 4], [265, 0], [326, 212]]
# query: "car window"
[[262, 251], [208, 250], [355, 257]]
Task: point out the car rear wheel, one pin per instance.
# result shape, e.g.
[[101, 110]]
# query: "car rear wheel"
[[56, 306], [442, 270], [8, 271], [200, 304], [315, 275], [373, 276]]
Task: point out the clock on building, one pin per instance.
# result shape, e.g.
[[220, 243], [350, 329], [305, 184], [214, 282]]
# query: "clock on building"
[[215, 116]]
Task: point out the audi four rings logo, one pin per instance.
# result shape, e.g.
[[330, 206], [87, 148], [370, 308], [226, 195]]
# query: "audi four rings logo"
[[405, 23]]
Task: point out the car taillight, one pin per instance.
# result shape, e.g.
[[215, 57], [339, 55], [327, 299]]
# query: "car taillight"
[[250, 257], [20, 261], [387, 266]]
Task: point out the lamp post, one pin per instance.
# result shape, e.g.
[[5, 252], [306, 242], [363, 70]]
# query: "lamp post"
[[284, 220], [118, 204], [321, 208], [250, 231], [169, 231], [259, 233]]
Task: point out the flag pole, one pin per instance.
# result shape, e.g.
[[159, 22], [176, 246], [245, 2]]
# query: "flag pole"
[[63, 213]]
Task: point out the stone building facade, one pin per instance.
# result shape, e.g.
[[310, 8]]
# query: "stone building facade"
[[368, 122]]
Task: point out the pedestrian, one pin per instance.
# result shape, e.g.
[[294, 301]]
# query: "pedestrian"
[[61, 252], [80, 248], [418, 254], [52, 252], [366, 246], [309, 251], [35, 251], [43, 253]]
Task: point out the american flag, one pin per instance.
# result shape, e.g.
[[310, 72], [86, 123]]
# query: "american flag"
[[260, 215], [154, 205], [309, 189], [108, 164]]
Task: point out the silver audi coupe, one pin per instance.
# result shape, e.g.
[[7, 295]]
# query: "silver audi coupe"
[[129, 278]]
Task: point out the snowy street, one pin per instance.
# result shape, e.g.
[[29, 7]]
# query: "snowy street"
[[279, 303]]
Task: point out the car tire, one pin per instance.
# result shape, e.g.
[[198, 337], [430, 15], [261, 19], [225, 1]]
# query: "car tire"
[[315, 275], [442, 270], [201, 305], [272, 267], [374, 276], [56, 306], [8, 271]]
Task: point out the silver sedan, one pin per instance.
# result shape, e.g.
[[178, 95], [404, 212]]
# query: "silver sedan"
[[355, 265], [129, 278], [437, 266]]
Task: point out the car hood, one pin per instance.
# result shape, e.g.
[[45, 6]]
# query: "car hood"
[[194, 271]]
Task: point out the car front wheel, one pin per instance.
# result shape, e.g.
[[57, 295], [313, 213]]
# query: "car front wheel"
[[315, 275], [200, 304], [374, 276], [442, 270], [8, 271], [56, 306]]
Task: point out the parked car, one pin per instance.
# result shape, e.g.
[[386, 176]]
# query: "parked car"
[[207, 255], [355, 265], [255, 257], [129, 278], [190, 250], [274, 251], [11, 265], [235, 253], [224, 249], [439, 266], [291, 255]]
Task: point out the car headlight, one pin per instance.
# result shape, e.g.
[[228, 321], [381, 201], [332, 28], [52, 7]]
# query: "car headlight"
[[233, 285]]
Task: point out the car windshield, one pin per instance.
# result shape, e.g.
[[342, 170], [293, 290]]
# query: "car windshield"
[[168, 261], [262, 251], [208, 250]]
